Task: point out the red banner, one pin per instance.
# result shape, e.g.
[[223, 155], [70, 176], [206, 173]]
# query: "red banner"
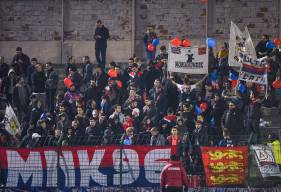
[[225, 165]]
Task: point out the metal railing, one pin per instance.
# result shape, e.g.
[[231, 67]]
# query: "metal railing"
[[189, 152]]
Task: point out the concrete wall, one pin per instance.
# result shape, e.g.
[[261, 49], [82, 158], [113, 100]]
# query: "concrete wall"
[[36, 25]]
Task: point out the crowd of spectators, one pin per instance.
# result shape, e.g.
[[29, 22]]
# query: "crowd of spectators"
[[132, 104]]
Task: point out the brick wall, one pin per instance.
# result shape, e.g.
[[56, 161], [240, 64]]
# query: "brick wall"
[[29, 20], [39, 21], [81, 16], [171, 18], [261, 16]]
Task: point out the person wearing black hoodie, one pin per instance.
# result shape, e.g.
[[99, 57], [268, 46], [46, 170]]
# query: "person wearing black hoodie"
[[8, 85], [101, 36]]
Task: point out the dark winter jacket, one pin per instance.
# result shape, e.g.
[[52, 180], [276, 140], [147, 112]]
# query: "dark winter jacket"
[[17, 97], [30, 71], [52, 79], [38, 82], [20, 63], [104, 33], [233, 121], [87, 72], [4, 69]]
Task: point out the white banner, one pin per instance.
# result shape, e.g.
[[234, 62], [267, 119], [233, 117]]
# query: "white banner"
[[266, 162], [13, 124], [191, 60], [239, 42]]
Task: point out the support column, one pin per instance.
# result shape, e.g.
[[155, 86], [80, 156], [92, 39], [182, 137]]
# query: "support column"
[[279, 10], [133, 27], [62, 31], [210, 14]]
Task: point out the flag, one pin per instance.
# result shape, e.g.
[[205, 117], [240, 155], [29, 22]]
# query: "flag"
[[225, 166], [253, 70], [239, 42], [249, 46], [12, 124]]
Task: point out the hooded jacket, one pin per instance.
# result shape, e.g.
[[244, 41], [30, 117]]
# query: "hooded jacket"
[[173, 175], [8, 83]]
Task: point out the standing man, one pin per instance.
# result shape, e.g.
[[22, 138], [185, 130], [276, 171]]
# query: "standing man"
[[173, 176], [30, 70], [87, 70], [101, 36], [38, 80], [20, 63], [51, 86], [20, 98]]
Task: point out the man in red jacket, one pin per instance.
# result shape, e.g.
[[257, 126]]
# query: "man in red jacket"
[[173, 176]]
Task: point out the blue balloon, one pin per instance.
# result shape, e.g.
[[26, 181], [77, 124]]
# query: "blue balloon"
[[270, 45], [198, 110], [214, 76], [233, 77], [211, 42], [155, 42], [242, 88], [127, 141]]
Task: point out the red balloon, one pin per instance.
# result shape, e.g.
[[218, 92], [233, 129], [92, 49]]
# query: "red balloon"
[[277, 41], [276, 84], [203, 106], [67, 82], [186, 43], [234, 83], [176, 42], [112, 73], [150, 47]]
